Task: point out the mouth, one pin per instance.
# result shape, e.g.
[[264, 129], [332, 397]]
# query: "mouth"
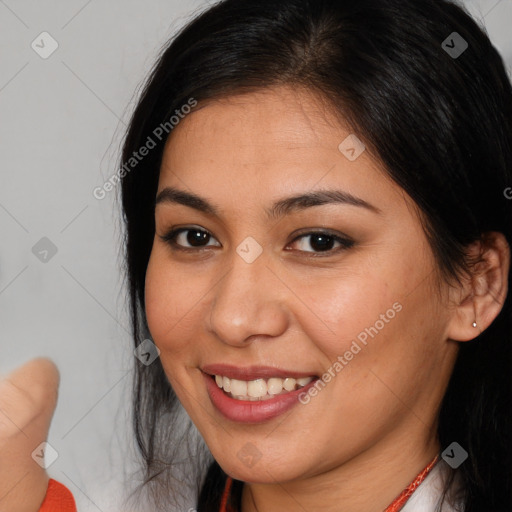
[[254, 394], [259, 389]]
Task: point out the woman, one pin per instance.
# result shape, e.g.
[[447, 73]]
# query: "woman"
[[318, 243]]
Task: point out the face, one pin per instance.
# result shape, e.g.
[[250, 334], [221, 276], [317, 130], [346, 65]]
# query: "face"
[[338, 287]]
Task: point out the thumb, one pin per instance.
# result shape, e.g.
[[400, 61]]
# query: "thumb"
[[28, 398]]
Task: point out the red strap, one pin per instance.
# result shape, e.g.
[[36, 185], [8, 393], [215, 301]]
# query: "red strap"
[[402, 498], [58, 498], [225, 496], [397, 504]]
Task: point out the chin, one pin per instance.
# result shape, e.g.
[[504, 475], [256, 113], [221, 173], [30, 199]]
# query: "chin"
[[262, 471]]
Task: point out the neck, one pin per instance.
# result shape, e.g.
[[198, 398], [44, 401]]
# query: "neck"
[[370, 481]]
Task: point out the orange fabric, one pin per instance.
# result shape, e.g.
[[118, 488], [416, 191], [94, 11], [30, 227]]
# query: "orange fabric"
[[397, 504], [58, 498]]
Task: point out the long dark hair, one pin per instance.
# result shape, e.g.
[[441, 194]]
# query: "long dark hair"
[[440, 122]]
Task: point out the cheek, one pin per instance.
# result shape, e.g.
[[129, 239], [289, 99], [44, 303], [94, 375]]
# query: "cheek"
[[160, 308], [171, 300], [373, 319], [343, 307]]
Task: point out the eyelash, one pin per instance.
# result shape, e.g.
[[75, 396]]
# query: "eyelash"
[[345, 243]]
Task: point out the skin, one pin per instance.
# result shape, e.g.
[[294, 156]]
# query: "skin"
[[28, 397], [367, 434], [362, 439]]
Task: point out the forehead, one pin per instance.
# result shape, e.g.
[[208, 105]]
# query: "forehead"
[[275, 140], [273, 117]]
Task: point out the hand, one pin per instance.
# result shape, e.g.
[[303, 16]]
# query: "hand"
[[28, 398]]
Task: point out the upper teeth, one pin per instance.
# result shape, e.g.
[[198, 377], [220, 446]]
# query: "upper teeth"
[[259, 389]]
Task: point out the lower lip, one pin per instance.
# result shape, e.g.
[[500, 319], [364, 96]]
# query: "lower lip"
[[244, 411]]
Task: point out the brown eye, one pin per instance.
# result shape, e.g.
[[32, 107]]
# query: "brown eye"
[[194, 237], [319, 242]]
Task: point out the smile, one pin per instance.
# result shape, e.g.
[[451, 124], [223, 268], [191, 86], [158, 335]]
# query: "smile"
[[254, 394], [260, 389]]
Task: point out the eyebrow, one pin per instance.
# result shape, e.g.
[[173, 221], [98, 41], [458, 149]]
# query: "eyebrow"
[[280, 208]]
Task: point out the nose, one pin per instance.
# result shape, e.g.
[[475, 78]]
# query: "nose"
[[249, 302]]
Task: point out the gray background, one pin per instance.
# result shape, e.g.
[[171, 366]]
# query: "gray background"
[[62, 120]]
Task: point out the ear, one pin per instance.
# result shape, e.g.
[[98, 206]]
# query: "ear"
[[481, 296]]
